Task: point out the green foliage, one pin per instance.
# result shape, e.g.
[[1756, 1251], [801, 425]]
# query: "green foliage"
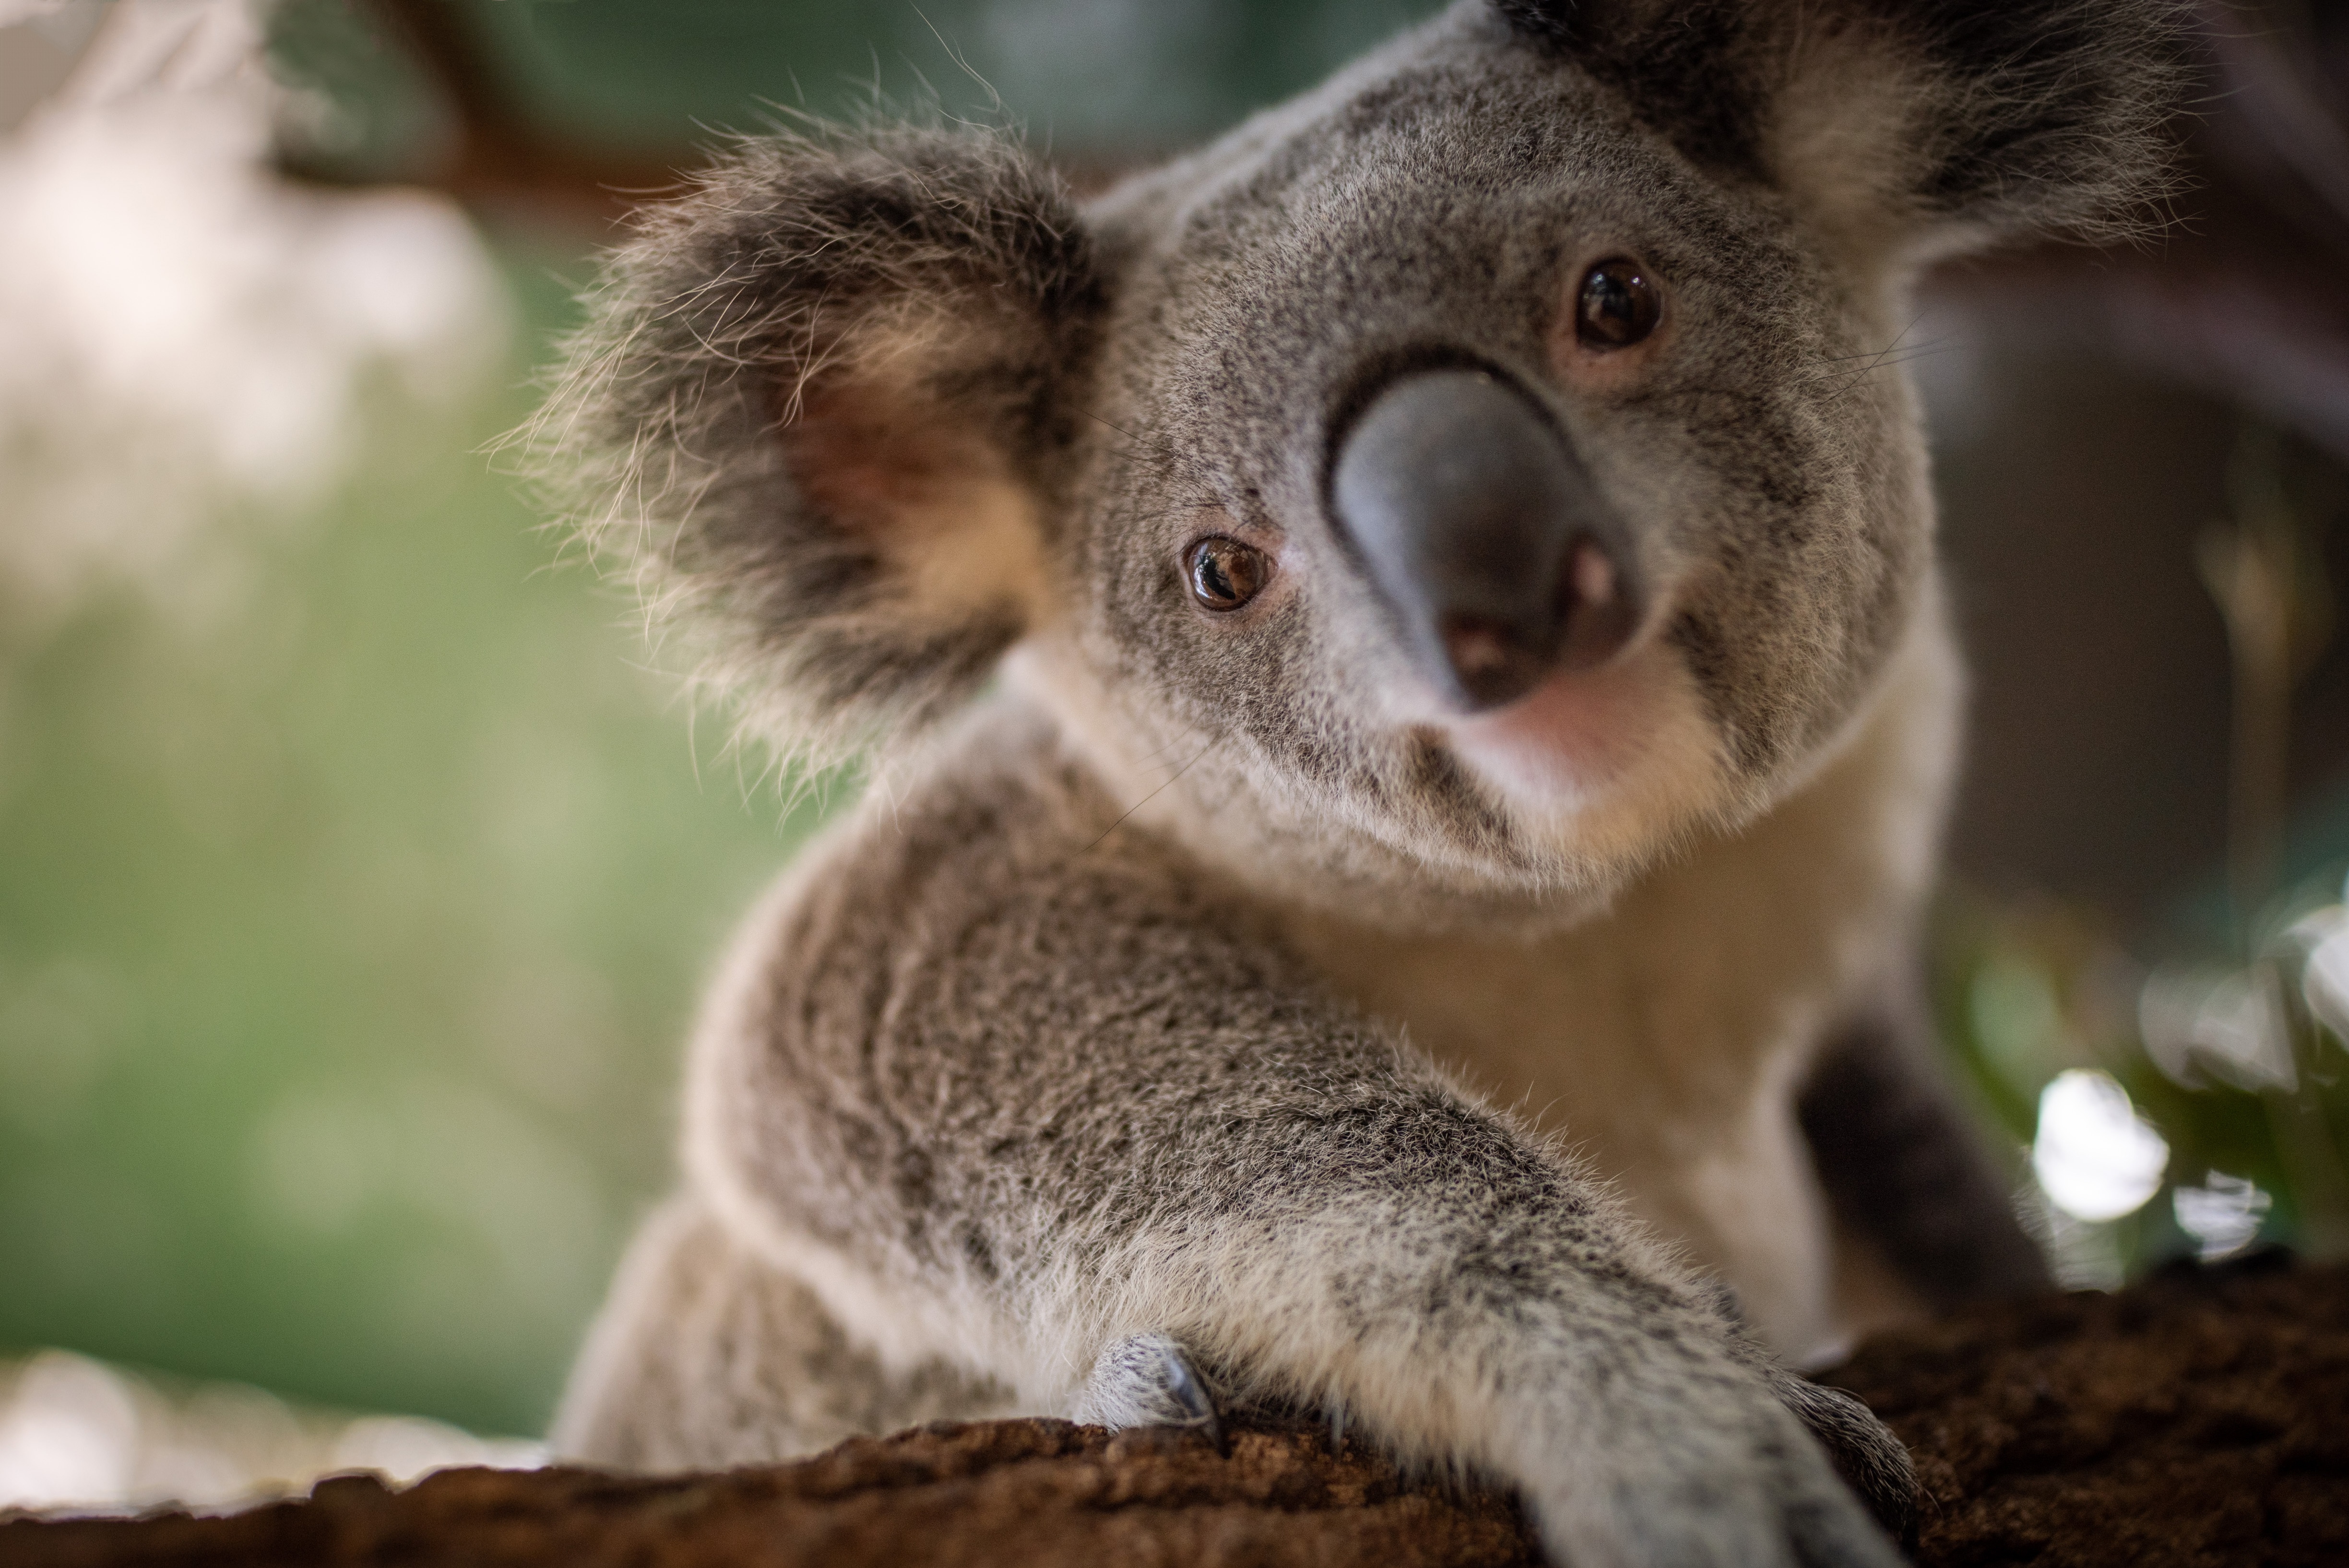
[[351, 910], [355, 878], [1095, 77], [2028, 988]]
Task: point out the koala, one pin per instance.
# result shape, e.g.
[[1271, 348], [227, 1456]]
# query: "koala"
[[1408, 711]]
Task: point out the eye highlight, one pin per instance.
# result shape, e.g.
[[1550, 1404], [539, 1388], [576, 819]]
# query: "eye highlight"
[[1226, 574], [1619, 306]]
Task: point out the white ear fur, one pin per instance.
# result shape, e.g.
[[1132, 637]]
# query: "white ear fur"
[[1904, 137], [809, 414], [1903, 128], [1839, 128], [930, 487]]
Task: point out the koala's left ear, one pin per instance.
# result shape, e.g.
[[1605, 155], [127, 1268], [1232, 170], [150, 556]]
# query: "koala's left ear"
[[1911, 127], [816, 407]]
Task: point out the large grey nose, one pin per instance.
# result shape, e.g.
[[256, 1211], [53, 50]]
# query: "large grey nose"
[[1483, 533]]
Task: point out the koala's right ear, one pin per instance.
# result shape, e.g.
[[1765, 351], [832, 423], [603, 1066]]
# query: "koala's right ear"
[[1906, 128], [815, 408]]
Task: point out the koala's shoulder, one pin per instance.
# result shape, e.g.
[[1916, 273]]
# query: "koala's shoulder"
[[1000, 866], [995, 805]]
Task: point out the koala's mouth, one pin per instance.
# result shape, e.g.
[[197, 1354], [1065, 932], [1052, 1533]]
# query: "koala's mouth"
[[1580, 735]]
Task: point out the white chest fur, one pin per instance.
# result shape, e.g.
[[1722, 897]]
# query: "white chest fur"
[[1664, 1040]]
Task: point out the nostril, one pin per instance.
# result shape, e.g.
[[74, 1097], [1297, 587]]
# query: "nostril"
[[1477, 648], [1589, 577], [1597, 616], [1491, 660], [1498, 660]]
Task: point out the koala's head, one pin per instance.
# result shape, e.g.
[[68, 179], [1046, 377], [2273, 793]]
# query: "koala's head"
[[1450, 489]]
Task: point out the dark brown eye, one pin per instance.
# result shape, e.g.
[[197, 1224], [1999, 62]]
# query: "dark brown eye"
[[1620, 304], [1226, 574]]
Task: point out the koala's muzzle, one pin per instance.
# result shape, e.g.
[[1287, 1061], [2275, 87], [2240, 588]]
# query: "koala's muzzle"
[[1483, 533]]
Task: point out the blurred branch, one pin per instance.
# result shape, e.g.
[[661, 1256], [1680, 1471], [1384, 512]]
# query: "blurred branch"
[[2265, 566], [2248, 297], [500, 160], [2263, 569], [2251, 565], [2287, 120]]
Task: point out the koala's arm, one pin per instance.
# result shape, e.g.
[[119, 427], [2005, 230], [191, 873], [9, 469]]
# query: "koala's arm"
[[1904, 1166], [1024, 1096]]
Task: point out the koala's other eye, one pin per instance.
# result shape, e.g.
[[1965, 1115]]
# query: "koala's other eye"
[[1226, 574], [1620, 304]]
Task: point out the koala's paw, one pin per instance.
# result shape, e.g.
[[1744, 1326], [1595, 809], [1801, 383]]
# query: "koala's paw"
[[1724, 1472], [1147, 1380], [1871, 1460]]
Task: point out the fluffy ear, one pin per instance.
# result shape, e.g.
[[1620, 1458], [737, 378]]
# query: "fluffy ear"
[[815, 407], [1917, 127]]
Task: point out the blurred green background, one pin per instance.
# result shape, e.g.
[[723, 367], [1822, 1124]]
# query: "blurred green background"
[[345, 937], [357, 874]]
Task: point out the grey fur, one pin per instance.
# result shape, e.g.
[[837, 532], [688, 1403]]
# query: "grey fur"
[[1158, 1010], [704, 1357], [2024, 117], [710, 332]]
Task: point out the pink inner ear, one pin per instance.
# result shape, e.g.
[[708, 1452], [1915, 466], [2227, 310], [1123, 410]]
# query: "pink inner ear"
[[884, 462]]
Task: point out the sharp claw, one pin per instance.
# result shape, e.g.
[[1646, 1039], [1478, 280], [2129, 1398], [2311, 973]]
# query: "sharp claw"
[[1147, 1380], [1190, 1395]]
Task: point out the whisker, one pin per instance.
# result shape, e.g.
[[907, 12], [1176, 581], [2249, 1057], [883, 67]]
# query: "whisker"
[[1870, 353], [1162, 751], [1145, 800], [1906, 357], [1874, 359]]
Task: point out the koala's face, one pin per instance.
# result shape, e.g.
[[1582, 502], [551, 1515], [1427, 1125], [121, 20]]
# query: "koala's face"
[[1473, 491], [1449, 490]]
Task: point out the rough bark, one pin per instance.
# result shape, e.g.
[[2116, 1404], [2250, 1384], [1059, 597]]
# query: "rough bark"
[[2198, 1420]]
